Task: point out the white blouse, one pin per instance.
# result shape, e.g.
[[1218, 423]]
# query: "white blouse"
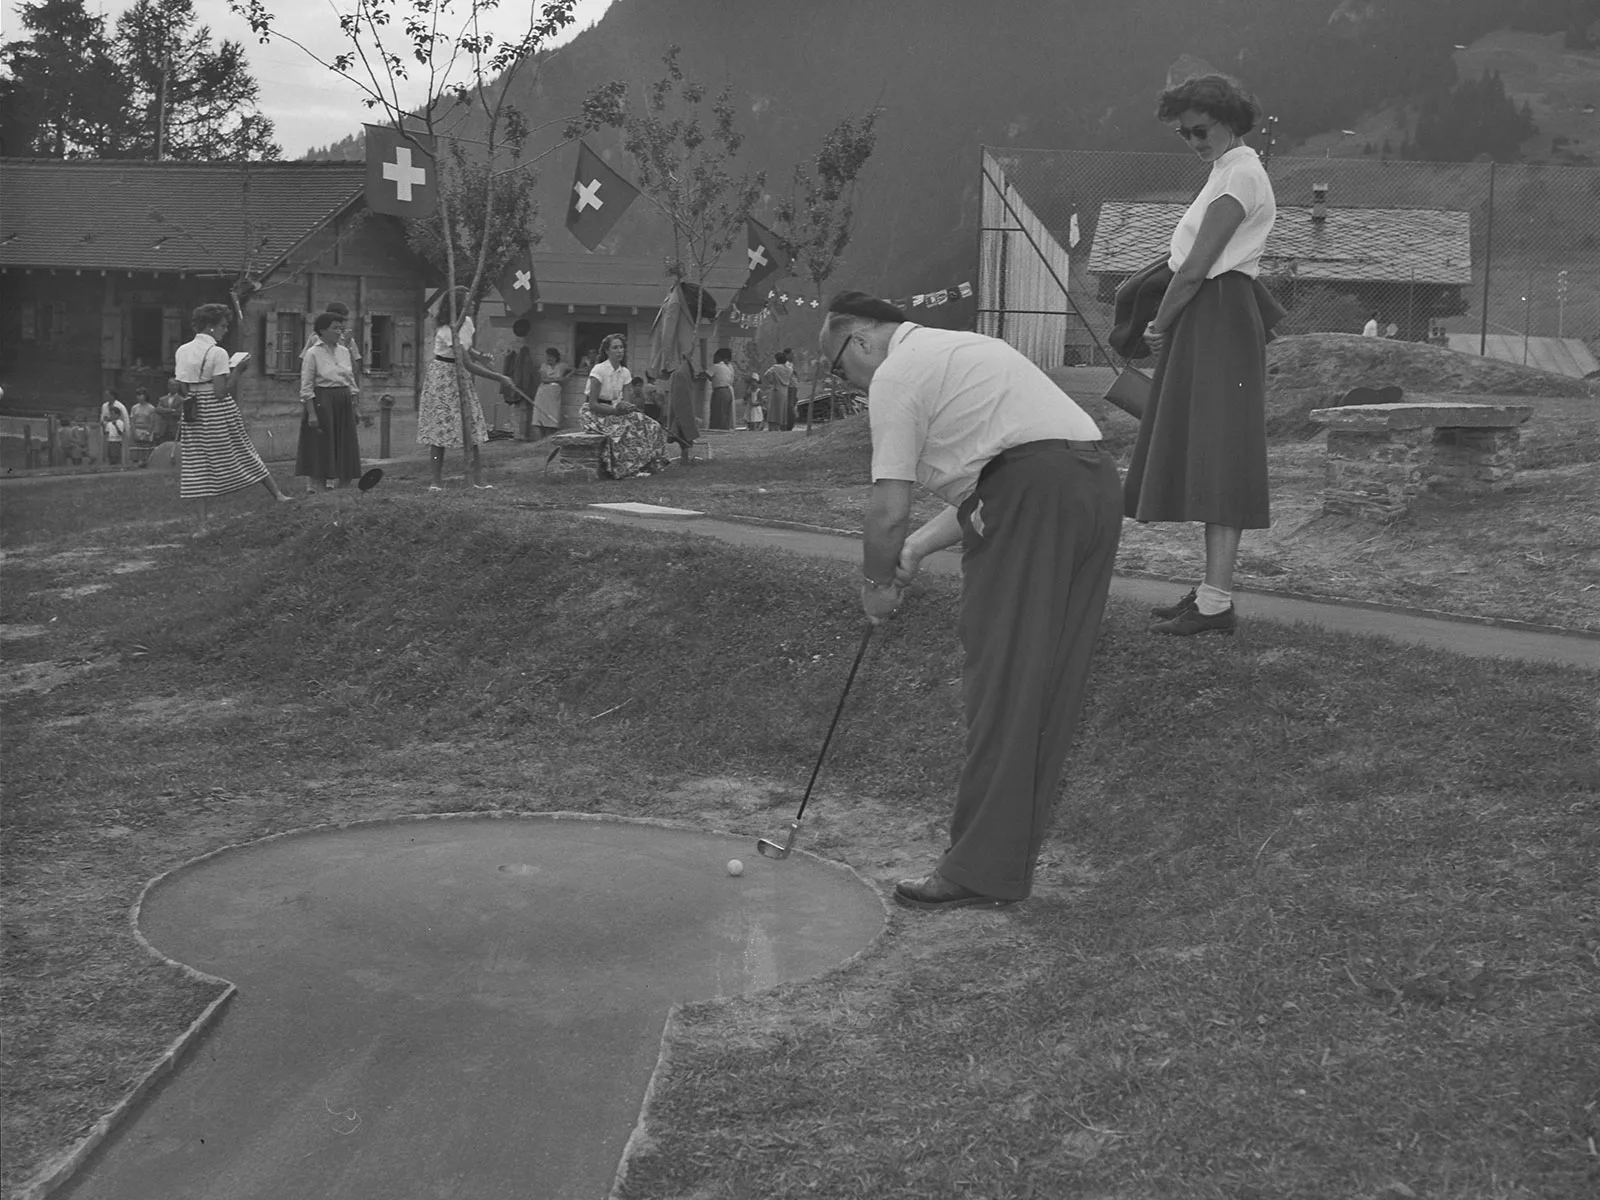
[[441, 339], [1239, 174], [612, 381]]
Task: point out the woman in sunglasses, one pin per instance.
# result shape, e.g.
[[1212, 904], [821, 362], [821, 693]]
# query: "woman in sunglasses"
[[1201, 453]]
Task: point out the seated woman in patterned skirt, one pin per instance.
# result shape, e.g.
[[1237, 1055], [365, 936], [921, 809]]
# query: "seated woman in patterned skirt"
[[635, 445]]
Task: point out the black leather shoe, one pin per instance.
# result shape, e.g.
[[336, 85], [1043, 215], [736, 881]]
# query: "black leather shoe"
[[1194, 621], [1169, 611], [934, 891]]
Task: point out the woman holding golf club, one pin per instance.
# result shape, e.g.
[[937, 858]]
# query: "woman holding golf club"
[[449, 413], [218, 456], [1201, 452]]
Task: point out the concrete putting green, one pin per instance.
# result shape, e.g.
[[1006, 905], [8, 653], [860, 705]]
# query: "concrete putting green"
[[464, 1007]]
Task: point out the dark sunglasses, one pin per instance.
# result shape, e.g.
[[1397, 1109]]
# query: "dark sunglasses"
[[1196, 133], [839, 357]]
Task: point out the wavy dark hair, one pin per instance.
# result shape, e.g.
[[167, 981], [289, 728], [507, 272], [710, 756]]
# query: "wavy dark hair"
[[209, 316], [1215, 95]]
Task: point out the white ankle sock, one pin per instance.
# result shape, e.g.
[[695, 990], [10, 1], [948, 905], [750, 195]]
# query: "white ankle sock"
[[1211, 601]]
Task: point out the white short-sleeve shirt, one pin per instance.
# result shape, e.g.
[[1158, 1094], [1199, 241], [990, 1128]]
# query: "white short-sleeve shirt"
[[1239, 174], [612, 381], [944, 402], [441, 339], [200, 361]]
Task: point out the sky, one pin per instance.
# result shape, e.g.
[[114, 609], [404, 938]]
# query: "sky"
[[309, 105]]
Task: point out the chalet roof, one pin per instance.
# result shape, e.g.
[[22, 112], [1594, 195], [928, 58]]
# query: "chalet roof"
[[202, 218], [1353, 245], [618, 282]]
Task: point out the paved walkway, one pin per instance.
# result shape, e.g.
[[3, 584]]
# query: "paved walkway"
[[1478, 639], [455, 1007]]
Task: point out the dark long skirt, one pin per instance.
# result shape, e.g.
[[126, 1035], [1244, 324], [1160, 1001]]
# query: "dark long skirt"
[[333, 449], [1201, 453], [721, 408]]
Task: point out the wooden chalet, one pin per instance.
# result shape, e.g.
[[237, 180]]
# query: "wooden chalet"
[[103, 261], [1414, 265]]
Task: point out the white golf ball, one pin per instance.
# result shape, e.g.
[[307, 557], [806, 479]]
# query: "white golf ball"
[[735, 867]]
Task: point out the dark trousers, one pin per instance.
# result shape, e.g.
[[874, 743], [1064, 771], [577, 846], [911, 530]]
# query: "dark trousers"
[[1039, 540]]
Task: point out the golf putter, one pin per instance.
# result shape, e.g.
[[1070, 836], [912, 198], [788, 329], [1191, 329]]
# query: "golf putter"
[[780, 848]]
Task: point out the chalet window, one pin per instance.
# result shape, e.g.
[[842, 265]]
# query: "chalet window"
[[145, 336], [287, 333], [380, 344]]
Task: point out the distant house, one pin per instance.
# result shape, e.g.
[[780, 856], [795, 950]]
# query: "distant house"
[[585, 298], [103, 261], [1561, 355], [1412, 265]]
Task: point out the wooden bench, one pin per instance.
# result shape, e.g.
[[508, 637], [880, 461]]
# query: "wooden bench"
[[1382, 456]]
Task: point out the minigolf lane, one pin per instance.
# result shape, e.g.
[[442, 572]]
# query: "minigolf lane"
[[462, 1008]]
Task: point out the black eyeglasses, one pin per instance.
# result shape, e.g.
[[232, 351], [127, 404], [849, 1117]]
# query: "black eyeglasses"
[[1196, 133], [839, 357]]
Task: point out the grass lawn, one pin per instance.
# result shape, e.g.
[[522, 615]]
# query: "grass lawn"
[[1319, 916]]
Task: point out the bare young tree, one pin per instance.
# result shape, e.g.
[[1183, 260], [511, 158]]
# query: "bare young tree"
[[687, 164], [816, 219], [465, 74]]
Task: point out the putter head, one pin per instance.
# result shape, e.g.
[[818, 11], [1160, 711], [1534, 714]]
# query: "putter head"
[[768, 848], [370, 479]]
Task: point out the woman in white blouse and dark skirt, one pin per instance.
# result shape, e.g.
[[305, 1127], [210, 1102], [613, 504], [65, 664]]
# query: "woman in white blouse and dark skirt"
[[329, 446], [1201, 453]]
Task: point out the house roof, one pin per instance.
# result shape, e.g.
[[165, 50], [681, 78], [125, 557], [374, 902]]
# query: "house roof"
[[1564, 356], [201, 218], [1353, 245], [617, 282]]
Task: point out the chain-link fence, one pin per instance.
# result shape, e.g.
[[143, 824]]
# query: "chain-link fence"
[[1502, 258]]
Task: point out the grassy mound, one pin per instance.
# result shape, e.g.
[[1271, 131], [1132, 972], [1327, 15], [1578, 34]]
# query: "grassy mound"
[[1315, 371], [1316, 906]]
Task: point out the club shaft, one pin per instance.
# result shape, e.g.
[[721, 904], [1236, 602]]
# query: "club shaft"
[[866, 636]]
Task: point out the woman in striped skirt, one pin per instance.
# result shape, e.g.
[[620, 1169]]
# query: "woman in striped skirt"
[[218, 456]]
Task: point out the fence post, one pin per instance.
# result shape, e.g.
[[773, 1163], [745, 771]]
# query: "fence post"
[[385, 407], [1488, 263], [27, 448], [52, 430]]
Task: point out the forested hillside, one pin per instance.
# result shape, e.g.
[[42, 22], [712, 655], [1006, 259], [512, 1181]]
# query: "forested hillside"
[[952, 76]]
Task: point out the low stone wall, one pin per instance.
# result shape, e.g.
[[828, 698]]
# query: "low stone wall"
[[1381, 456]]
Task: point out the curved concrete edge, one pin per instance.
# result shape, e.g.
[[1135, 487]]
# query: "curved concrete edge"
[[58, 1171], [641, 1138]]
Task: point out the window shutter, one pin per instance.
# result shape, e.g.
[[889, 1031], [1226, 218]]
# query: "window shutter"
[[111, 338], [171, 334]]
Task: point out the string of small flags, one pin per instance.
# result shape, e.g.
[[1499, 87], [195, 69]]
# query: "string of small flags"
[[779, 302]]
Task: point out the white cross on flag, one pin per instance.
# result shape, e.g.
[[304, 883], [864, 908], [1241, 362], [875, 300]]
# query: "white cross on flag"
[[763, 253], [400, 173], [519, 288], [599, 197]]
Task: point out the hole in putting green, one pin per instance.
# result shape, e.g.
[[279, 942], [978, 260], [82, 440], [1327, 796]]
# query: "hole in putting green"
[[487, 996]]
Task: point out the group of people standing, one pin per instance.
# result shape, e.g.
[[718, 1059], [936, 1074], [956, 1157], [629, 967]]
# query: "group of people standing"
[[1035, 501]]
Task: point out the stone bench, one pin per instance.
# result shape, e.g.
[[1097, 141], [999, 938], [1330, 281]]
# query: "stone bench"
[[1381, 456]]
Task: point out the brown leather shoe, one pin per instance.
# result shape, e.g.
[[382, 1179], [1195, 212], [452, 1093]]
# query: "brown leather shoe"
[[934, 891]]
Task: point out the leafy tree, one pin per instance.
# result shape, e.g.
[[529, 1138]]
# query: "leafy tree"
[[475, 193], [186, 100], [1475, 118], [65, 95]]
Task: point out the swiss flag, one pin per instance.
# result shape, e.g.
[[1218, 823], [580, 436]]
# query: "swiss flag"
[[401, 173], [599, 197], [518, 286], [763, 254]]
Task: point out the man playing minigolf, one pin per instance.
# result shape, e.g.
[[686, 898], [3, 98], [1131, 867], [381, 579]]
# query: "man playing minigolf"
[[1036, 506]]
